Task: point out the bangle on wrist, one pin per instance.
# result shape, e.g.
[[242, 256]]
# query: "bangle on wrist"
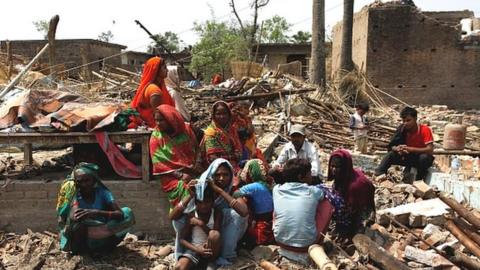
[[180, 204], [233, 202]]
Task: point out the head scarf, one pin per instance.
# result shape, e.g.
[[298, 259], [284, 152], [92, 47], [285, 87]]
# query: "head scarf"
[[149, 75], [206, 176], [170, 152], [254, 171], [172, 80], [223, 141], [68, 189], [356, 189]]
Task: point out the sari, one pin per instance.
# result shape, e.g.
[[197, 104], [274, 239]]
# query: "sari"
[[173, 85], [221, 142], [148, 88], [67, 198], [357, 192], [172, 152]]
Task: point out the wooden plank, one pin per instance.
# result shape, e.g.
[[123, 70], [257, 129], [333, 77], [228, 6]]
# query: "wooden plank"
[[27, 154], [145, 161], [377, 253], [71, 137]]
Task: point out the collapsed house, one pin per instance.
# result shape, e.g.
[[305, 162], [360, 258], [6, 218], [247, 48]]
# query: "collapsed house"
[[419, 57]]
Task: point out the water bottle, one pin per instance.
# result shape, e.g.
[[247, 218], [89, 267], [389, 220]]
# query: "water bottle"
[[454, 167]]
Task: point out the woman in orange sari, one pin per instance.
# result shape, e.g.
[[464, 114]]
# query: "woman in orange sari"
[[152, 90]]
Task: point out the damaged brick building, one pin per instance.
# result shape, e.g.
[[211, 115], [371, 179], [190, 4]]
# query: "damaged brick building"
[[419, 57]]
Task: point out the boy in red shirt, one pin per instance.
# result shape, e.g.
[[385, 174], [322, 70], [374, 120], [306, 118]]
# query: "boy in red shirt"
[[411, 146]]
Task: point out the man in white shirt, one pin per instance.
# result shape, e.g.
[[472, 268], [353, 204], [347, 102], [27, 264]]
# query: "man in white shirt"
[[298, 147]]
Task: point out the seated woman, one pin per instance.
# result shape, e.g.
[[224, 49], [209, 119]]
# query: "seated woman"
[[352, 195], [257, 191], [221, 139], [234, 212], [173, 149], [89, 218], [152, 90], [300, 215]]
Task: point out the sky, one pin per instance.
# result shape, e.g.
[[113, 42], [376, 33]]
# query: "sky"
[[86, 19]]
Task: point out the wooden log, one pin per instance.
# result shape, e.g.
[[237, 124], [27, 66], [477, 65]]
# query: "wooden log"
[[463, 238], [318, 255], [87, 74], [19, 76], [269, 95], [468, 229], [461, 210], [9, 60], [461, 259], [377, 253], [268, 265], [52, 29]]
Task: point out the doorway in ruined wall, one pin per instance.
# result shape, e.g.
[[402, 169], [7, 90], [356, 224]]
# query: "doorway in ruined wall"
[[302, 58]]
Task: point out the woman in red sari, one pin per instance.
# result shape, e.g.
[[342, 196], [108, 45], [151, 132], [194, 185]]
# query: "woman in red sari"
[[221, 139], [152, 90], [173, 149]]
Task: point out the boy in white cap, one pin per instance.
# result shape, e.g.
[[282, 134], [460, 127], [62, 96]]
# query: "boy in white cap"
[[298, 147]]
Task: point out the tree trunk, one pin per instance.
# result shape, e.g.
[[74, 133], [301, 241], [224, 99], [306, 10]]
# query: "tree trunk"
[[346, 62], [317, 60]]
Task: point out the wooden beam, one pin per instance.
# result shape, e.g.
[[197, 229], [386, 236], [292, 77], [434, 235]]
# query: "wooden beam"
[[377, 253], [461, 210], [269, 95], [19, 76], [463, 238], [52, 29], [9, 60]]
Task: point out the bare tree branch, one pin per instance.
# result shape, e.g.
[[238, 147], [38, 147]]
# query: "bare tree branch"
[[232, 5]]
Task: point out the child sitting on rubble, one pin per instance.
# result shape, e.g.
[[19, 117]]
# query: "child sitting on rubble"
[[201, 235], [256, 190], [359, 126]]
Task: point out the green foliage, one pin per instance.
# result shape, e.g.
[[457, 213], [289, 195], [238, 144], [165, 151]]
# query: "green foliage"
[[105, 36], [169, 40], [42, 27], [275, 30], [219, 44], [301, 37]]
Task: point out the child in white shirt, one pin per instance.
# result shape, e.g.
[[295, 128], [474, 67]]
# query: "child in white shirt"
[[359, 126]]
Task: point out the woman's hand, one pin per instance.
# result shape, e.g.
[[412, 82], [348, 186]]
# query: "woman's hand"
[[84, 213], [214, 186]]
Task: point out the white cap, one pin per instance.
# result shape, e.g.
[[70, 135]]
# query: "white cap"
[[297, 129]]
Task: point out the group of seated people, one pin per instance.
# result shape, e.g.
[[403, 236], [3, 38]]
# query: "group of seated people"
[[221, 190]]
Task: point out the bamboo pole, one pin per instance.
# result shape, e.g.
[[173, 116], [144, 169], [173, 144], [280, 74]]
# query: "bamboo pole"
[[318, 255], [19, 76], [9, 60], [468, 229], [461, 210], [463, 238]]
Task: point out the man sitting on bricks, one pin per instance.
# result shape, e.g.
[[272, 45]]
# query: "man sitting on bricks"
[[411, 146]]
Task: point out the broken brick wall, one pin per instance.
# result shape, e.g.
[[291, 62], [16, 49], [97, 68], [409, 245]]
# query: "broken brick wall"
[[414, 57], [31, 204], [68, 52]]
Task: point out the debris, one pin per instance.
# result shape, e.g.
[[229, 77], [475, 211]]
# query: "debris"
[[433, 208], [318, 255], [426, 257], [377, 253], [463, 238], [461, 210], [266, 265]]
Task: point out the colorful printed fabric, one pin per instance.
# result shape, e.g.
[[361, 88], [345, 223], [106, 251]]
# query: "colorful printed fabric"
[[221, 142], [141, 101], [172, 152], [240, 121], [341, 215], [261, 231], [254, 171]]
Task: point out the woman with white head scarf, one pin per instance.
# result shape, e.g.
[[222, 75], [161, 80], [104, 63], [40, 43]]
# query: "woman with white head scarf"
[[173, 85]]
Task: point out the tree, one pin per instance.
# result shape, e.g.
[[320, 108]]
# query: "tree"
[[169, 40], [105, 36], [249, 30], [346, 62], [219, 44], [301, 37], [275, 30], [317, 60], [42, 27]]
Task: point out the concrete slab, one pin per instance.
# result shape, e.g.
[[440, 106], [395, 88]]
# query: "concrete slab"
[[462, 190]]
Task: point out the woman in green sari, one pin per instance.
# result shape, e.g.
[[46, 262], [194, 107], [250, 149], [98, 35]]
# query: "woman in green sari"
[[90, 220]]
